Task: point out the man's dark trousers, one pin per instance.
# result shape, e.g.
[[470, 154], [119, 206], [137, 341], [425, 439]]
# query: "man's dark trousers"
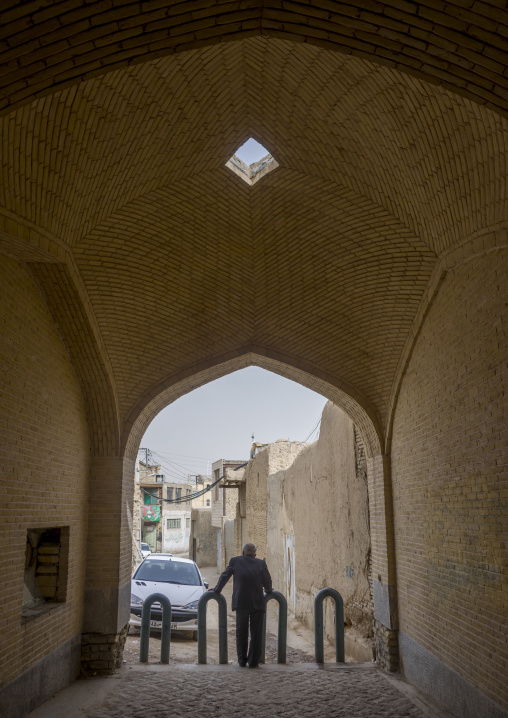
[[243, 618], [250, 576]]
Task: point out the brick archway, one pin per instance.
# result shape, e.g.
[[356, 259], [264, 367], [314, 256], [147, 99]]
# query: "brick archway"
[[378, 466], [161, 396], [135, 255], [48, 48]]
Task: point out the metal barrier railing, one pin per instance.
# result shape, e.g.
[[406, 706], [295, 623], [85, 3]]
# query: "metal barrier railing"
[[319, 625], [223, 637], [223, 626], [282, 627], [145, 627]]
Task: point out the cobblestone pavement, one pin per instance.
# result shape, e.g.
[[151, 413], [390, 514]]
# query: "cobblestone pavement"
[[191, 691], [194, 692]]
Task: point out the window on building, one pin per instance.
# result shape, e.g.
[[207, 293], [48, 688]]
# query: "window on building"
[[169, 494], [178, 493], [46, 560], [151, 497], [208, 502], [187, 523], [174, 523]]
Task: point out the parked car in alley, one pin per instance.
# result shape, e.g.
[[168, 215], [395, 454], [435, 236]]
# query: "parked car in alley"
[[177, 578], [145, 550]]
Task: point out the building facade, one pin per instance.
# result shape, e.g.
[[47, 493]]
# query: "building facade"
[[162, 510]]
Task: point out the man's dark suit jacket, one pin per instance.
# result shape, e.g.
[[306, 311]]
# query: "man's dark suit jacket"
[[250, 575]]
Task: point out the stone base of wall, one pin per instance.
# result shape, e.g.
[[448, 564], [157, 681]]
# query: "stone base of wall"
[[102, 653], [387, 647], [48, 676], [451, 691]]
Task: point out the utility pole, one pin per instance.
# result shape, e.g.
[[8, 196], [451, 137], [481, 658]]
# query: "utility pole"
[[146, 457]]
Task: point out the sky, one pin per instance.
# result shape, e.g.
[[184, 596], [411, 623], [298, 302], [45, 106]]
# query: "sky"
[[217, 421], [251, 151]]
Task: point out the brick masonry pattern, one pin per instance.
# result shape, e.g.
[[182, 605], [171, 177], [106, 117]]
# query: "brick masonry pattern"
[[123, 161], [451, 494], [326, 271], [40, 455], [460, 45]]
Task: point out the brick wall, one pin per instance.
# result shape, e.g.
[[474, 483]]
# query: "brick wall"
[[44, 465], [109, 545], [449, 465]]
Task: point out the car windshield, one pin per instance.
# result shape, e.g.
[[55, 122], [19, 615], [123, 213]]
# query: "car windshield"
[[145, 547], [168, 572]]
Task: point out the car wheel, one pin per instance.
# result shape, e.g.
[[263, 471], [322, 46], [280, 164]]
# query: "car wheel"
[[194, 635]]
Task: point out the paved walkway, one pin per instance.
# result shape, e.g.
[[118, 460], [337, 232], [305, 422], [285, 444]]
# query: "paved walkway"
[[185, 690], [191, 691]]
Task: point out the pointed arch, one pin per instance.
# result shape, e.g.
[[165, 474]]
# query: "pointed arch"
[[346, 397]]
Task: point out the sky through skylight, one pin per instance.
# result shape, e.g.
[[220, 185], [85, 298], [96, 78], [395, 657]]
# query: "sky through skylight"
[[251, 151]]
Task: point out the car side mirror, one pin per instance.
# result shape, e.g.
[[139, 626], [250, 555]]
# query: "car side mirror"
[[205, 584]]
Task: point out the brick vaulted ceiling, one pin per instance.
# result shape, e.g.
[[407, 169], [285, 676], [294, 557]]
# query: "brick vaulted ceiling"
[[460, 44], [324, 261]]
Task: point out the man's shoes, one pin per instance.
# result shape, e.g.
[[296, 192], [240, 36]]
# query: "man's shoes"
[[253, 665], [242, 664]]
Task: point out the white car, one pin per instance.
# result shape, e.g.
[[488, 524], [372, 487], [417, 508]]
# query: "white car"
[[145, 550], [177, 578]]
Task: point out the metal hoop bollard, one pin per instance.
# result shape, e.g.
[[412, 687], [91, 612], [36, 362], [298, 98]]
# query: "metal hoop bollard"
[[319, 624], [282, 627], [223, 626], [145, 627]]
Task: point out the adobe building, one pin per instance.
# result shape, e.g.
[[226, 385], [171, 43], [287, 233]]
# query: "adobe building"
[[306, 508], [370, 265], [203, 537], [225, 497]]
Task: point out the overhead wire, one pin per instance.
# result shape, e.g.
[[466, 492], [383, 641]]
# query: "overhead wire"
[[185, 456], [171, 471], [188, 497], [171, 467], [316, 427], [176, 473], [173, 463]]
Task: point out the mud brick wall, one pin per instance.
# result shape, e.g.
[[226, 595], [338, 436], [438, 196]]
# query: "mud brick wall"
[[318, 530], [205, 535]]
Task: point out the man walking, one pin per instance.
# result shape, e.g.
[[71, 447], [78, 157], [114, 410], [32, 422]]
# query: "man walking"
[[250, 576]]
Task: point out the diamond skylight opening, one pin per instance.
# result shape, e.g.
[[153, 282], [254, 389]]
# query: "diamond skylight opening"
[[251, 161]]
